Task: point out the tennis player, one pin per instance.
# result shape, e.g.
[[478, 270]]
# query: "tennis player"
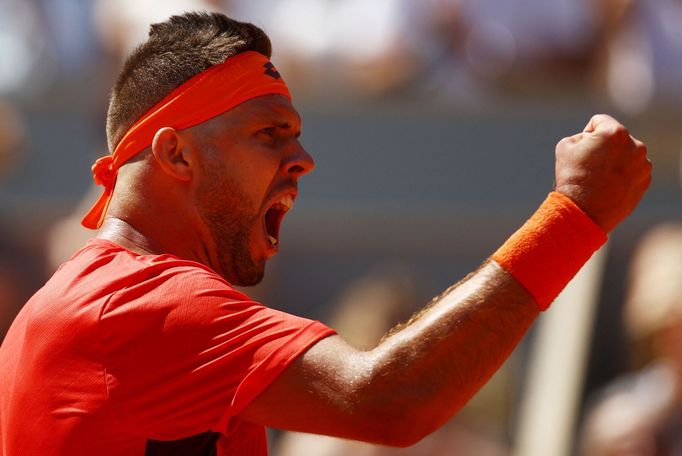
[[139, 344]]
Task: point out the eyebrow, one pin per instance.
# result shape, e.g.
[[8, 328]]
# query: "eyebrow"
[[287, 126], [280, 118]]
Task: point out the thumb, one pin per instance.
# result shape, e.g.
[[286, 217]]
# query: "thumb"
[[598, 120]]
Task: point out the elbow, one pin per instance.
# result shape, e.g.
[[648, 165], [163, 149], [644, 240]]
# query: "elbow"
[[392, 413], [406, 437], [406, 433], [409, 419], [399, 429], [398, 422]]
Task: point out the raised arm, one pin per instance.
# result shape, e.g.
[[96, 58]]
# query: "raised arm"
[[424, 371]]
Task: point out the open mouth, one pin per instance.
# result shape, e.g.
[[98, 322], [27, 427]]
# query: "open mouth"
[[274, 216]]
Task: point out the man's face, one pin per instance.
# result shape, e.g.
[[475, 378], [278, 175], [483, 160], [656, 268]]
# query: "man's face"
[[248, 181]]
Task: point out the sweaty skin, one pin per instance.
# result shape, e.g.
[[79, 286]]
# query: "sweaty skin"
[[415, 380], [421, 373]]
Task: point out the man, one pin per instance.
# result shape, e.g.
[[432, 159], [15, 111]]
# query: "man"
[[140, 345]]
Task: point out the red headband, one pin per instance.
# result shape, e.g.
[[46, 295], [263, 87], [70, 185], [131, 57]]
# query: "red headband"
[[209, 93]]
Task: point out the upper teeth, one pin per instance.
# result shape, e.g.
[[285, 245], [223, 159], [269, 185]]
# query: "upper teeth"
[[287, 201]]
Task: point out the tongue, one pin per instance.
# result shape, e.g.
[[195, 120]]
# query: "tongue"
[[272, 224]]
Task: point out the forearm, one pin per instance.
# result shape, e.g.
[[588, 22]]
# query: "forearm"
[[471, 329], [428, 369]]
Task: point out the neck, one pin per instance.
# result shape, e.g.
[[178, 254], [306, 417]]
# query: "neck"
[[155, 218], [129, 237], [155, 239]]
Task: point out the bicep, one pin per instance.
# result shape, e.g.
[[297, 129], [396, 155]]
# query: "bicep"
[[316, 392]]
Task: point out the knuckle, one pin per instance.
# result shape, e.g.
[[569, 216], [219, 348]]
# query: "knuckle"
[[644, 173], [609, 127], [569, 141], [618, 130], [563, 144], [602, 118], [641, 148], [646, 182]]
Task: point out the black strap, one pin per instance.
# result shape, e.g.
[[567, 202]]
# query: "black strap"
[[198, 445]]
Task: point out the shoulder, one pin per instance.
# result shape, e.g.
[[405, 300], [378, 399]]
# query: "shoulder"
[[135, 284]]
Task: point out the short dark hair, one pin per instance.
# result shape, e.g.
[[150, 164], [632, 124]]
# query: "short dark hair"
[[176, 50]]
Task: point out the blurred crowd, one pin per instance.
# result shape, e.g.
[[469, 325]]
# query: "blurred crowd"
[[627, 53], [465, 50], [640, 413]]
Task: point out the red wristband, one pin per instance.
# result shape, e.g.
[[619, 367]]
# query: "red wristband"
[[550, 248]]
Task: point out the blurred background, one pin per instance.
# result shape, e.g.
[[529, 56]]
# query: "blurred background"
[[433, 125]]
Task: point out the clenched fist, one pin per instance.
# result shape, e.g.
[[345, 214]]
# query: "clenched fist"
[[604, 170]]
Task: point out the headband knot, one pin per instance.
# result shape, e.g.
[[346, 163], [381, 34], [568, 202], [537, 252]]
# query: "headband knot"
[[103, 171]]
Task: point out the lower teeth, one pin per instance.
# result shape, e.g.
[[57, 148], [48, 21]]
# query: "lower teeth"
[[273, 241]]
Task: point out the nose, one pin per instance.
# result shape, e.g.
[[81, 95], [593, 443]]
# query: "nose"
[[299, 161]]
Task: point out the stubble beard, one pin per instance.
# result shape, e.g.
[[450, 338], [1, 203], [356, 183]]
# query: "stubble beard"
[[233, 256], [231, 218]]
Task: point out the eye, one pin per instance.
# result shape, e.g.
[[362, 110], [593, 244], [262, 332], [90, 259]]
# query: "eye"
[[269, 132]]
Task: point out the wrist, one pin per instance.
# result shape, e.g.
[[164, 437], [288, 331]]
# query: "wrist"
[[602, 213], [551, 247]]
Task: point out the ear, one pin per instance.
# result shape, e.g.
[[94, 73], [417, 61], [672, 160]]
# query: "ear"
[[172, 153]]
